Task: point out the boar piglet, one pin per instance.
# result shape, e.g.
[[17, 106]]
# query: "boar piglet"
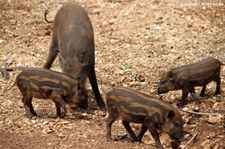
[[137, 107], [43, 83], [187, 77], [73, 42]]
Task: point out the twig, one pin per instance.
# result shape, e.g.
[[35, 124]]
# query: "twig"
[[189, 142], [203, 113]]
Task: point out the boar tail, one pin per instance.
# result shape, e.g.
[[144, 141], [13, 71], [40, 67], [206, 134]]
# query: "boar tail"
[[45, 16], [15, 68], [6, 90], [5, 73], [104, 92]]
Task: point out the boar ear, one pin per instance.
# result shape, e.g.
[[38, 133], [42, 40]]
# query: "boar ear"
[[79, 86], [84, 58], [61, 58], [170, 74], [170, 114]]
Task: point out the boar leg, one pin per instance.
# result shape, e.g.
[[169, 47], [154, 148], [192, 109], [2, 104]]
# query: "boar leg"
[[28, 106], [59, 103], [142, 132], [155, 135], [218, 82], [130, 131], [52, 53], [203, 91], [58, 110], [185, 92], [27, 100], [193, 94], [112, 116], [94, 85]]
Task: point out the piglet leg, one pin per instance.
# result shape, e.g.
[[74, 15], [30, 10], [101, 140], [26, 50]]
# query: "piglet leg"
[[130, 131]]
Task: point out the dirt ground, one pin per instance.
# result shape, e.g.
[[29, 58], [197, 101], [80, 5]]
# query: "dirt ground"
[[136, 41]]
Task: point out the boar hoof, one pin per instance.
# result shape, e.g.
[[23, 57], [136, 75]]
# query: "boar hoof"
[[180, 103], [122, 137], [202, 94], [31, 115], [138, 139], [117, 138], [135, 139], [62, 115], [109, 138], [197, 102], [103, 109], [175, 144], [159, 146], [217, 92]]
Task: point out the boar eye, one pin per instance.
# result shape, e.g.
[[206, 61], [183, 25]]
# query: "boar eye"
[[177, 124], [81, 59], [172, 80], [163, 82], [74, 92]]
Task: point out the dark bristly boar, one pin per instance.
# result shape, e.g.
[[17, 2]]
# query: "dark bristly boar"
[[73, 41], [137, 107], [187, 77], [43, 83]]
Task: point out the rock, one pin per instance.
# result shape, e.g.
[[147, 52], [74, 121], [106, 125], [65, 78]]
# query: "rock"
[[214, 119], [50, 130]]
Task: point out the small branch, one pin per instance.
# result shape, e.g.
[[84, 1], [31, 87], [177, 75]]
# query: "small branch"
[[189, 142], [203, 113]]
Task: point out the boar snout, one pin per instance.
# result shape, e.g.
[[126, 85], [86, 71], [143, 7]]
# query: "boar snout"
[[83, 100], [161, 91], [181, 138], [178, 137], [176, 142], [84, 105]]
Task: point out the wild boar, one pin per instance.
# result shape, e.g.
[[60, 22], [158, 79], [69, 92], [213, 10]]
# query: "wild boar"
[[188, 77], [73, 41], [43, 83], [137, 107]]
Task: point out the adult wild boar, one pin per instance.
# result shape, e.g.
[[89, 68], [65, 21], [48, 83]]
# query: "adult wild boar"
[[73, 41], [187, 77]]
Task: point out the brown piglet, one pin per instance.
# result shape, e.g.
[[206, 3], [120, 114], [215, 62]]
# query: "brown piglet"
[[186, 78], [154, 114], [43, 84]]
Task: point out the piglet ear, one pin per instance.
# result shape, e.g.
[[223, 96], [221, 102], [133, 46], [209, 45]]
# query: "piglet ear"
[[170, 114]]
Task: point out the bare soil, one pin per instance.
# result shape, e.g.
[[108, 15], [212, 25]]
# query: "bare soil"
[[136, 41]]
